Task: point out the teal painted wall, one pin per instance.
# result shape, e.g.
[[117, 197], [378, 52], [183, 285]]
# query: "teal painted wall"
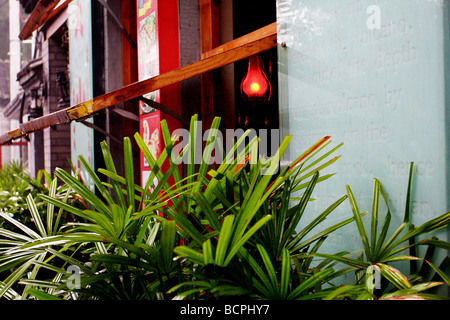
[[81, 82], [383, 92]]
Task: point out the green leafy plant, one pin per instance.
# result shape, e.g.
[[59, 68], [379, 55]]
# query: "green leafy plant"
[[15, 186], [124, 247], [15, 256], [274, 235], [381, 250], [13, 191], [24, 218], [224, 230]]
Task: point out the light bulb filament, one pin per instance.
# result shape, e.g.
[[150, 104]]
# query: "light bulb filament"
[[255, 87]]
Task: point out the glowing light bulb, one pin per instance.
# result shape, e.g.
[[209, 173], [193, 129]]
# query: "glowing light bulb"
[[255, 86]]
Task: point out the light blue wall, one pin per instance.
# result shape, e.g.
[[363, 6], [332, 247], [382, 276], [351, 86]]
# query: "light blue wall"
[[383, 92], [81, 81]]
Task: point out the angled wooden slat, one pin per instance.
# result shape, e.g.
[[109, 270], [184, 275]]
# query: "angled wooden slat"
[[252, 36], [137, 89], [48, 12], [52, 12], [40, 14]]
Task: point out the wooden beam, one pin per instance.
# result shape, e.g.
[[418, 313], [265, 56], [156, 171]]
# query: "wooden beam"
[[45, 10], [53, 13], [139, 88], [252, 36], [50, 13], [134, 90], [40, 13]]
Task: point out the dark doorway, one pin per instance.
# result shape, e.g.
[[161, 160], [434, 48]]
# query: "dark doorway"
[[249, 16]]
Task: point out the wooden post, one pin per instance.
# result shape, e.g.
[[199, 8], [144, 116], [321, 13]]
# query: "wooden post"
[[209, 39], [129, 63], [130, 75]]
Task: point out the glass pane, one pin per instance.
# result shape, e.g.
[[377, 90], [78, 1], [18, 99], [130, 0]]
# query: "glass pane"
[[371, 74]]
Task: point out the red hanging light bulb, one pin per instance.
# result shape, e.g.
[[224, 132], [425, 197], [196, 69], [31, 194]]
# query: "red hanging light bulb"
[[255, 86]]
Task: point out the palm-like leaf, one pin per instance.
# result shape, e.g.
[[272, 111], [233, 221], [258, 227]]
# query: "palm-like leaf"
[[227, 216], [380, 250], [16, 254]]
